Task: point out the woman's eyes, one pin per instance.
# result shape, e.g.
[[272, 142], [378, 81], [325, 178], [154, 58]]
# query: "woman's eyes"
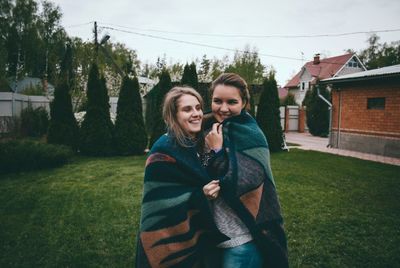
[[230, 102], [189, 109]]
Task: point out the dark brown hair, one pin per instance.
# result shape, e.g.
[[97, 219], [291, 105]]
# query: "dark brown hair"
[[234, 80]]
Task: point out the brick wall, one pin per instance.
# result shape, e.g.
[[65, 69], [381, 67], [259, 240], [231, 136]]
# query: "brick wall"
[[356, 118]]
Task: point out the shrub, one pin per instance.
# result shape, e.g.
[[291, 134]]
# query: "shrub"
[[63, 126], [289, 100], [34, 122], [317, 112], [130, 134], [189, 77], [268, 114], [23, 155], [96, 133], [34, 90], [158, 125]]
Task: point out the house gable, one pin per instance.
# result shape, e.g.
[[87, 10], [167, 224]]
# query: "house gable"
[[353, 65], [317, 69]]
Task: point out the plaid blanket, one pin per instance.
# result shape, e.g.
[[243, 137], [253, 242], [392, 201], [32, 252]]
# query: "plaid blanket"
[[176, 227]]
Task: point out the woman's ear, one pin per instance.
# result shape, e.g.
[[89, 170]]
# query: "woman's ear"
[[246, 105]]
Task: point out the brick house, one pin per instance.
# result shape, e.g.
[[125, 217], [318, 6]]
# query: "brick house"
[[366, 111], [319, 69]]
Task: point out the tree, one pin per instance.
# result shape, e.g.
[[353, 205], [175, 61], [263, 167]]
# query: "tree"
[[186, 75], [268, 114], [189, 77], [63, 126], [35, 42], [97, 129], [218, 66], [130, 134], [248, 65], [5, 15], [52, 38], [175, 71], [317, 111], [117, 58], [205, 68], [193, 76], [163, 86], [289, 100], [380, 55]]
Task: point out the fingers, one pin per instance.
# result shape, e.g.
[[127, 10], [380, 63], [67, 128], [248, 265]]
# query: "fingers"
[[215, 127], [214, 138], [219, 129], [211, 189]]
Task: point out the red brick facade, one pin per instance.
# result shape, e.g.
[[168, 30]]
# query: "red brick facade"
[[356, 118]]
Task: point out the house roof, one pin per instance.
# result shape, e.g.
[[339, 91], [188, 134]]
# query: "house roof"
[[282, 92], [393, 70], [27, 82], [145, 80], [326, 68]]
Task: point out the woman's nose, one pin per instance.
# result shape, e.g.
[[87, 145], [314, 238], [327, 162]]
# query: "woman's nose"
[[197, 112], [224, 107]]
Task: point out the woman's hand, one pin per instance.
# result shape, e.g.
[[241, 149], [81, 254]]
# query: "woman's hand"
[[211, 189], [214, 138]]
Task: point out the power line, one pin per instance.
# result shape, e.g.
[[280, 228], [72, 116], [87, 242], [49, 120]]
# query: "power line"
[[78, 25], [198, 44], [259, 36], [211, 46]]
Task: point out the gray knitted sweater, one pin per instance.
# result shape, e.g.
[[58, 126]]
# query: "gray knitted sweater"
[[225, 218]]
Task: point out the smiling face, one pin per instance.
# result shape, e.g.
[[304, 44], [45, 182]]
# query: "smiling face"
[[226, 102], [189, 114]]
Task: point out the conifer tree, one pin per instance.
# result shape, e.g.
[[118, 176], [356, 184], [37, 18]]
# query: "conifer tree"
[[186, 76], [317, 111], [268, 114], [163, 86], [193, 76], [189, 77], [97, 129], [63, 127], [130, 133]]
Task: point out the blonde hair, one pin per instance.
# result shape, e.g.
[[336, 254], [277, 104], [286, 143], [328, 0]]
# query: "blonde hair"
[[170, 110]]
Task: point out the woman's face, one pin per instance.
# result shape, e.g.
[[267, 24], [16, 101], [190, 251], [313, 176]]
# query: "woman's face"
[[189, 115], [226, 102]]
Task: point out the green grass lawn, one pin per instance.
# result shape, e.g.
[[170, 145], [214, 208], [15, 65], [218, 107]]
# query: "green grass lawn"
[[339, 212]]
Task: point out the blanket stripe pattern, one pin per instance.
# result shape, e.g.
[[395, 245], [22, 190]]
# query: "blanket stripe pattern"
[[249, 187], [176, 223]]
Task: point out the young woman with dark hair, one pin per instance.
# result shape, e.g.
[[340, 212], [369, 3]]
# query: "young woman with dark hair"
[[242, 196]]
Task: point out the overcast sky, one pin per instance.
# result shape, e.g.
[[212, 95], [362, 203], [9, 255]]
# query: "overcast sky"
[[230, 17]]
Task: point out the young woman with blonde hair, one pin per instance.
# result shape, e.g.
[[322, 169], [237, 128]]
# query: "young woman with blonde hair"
[[176, 226]]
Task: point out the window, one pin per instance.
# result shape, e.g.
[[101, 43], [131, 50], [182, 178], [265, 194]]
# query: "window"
[[302, 86], [376, 103], [353, 64]]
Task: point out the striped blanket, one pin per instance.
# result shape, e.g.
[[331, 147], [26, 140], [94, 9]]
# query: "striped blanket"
[[176, 227], [249, 188]]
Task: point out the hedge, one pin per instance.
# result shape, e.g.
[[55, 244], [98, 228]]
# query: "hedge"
[[24, 155]]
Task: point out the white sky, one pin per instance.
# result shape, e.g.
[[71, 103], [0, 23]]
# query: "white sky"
[[251, 17]]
